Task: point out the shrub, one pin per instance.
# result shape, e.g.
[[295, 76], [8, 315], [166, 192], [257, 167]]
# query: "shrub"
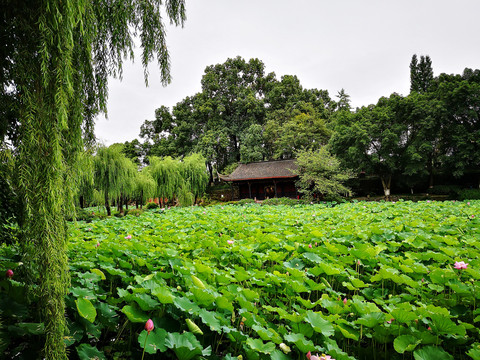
[[134, 212], [451, 190], [245, 201], [281, 201], [469, 194], [151, 205]]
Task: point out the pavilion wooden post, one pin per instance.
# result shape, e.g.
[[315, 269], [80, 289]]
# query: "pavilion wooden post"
[[249, 190], [275, 186]]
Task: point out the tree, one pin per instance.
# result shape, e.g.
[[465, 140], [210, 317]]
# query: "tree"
[[460, 95], [167, 175], [194, 174], [343, 102], [294, 129], [57, 58], [371, 140], [252, 144], [421, 74], [113, 174], [320, 174], [145, 187]]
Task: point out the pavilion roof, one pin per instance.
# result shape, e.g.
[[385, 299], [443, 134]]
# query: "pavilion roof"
[[277, 169]]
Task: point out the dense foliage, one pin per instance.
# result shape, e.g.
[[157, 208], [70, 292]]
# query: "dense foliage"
[[357, 280], [55, 61], [243, 114]]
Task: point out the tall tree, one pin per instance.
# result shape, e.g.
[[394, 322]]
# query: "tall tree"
[[421, 74], [113, 173], [57, 59], [371, 140]]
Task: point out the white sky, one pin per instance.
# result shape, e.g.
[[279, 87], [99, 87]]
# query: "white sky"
[[363, 46]]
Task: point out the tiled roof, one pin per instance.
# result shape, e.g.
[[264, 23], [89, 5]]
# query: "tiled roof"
[[278, 169]]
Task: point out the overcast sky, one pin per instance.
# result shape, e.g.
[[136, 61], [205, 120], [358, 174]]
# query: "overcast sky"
[[363, 46]]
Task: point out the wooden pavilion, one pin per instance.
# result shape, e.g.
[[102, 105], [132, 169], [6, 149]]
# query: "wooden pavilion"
[[266, 179]]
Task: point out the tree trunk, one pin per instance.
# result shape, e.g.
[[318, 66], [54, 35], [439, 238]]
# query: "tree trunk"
[[386, 181], [210, 170], [126, 202], [81, 202], [107, 206]]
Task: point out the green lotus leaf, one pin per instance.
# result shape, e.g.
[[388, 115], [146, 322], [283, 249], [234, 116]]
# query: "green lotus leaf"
[[405, 343], [88, 352], [259, 346], [185, 346], [209, 319], [203, 296], [348, 331], [371, 319], [223, 303], [319, 324], [99, 273], [304, 345], [146, 302], [134, 314], [267, 334], [86, 309], [403, 316], [431, 353], [163, 295], [154, 341]]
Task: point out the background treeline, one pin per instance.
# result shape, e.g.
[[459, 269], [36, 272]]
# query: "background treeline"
[[429, 137]]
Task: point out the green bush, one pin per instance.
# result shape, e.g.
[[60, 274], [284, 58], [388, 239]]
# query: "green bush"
[[244, 202], [134, 212], [451, 190], [469, 194], [151, 205], [281, 201]]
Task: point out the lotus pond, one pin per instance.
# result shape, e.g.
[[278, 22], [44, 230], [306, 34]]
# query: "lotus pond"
[[351, 281]]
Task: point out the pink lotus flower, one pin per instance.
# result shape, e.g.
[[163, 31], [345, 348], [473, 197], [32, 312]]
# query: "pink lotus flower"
[[460, 265], [344, 301], [98, 245], [128, 237], [310, 246], [468, 203], [9, 273], [429, 328], [149, 325], [230, 242]]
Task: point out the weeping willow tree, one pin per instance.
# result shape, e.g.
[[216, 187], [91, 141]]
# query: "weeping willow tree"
[[114, 174], [84, 178], [56, 57], [145, 186], [195, 174], [184, 180], [168, 176]]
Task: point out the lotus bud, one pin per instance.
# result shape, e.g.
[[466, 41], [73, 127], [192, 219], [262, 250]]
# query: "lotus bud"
[[9, 273], [149, 325]]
